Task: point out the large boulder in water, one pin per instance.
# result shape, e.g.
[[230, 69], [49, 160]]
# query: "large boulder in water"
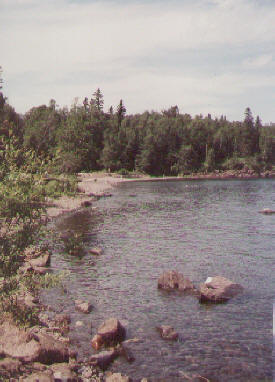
[[175, 280], [109, 333], [218, 289]]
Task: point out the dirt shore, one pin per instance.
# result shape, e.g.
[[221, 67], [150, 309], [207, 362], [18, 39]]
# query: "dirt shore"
[[88, 185]]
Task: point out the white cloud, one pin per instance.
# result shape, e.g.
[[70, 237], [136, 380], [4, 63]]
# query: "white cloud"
[[55, 40], [258, 61]]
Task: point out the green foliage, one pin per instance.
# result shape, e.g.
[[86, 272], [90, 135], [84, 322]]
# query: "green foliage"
[[34, 282], [60, 186], [74, 243], [22, 315]]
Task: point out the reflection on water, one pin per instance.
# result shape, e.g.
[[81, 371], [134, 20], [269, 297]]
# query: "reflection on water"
[[201, 228]]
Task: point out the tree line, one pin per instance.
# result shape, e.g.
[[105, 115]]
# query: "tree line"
[[87, 138]]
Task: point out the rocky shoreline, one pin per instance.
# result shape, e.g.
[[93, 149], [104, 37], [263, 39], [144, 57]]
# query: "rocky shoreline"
[[42, 352]]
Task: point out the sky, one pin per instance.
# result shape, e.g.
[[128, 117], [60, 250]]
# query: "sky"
[[206, 56]]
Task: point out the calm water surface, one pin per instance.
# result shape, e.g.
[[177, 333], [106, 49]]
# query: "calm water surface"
[[200, 228]]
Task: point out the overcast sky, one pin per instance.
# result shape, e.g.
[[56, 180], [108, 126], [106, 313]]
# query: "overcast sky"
[[206, 56]]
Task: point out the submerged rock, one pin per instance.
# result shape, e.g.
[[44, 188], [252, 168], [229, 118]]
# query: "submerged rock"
[[103, 359], [175, 280], [109, 333], [218, 289], [168, 333], [83, 306]]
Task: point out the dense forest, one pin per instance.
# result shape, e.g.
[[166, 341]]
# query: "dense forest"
[[87, 138]]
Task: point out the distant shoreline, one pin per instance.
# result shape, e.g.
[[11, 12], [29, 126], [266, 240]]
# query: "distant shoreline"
[[94, 185]]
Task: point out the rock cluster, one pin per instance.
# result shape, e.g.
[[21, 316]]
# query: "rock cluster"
[[35, 260]]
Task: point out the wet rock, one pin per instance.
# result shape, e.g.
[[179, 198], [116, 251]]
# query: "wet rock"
[[103, 359], [218, 289], [168, 333], [62, 372], [96, 251], [109, 333], [117, 377], [174, 280], [79, 323], [82, 306]]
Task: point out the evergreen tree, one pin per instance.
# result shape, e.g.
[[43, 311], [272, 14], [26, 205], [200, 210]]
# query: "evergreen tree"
[[121, 111], [98, 100]]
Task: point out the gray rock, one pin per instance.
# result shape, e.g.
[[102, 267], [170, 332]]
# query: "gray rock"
[[218, 289]]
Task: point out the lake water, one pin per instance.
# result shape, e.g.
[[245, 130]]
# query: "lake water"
[[200, 228]]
